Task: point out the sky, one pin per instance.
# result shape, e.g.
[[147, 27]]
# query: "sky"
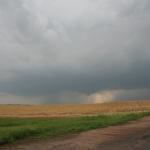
[[74, 51]]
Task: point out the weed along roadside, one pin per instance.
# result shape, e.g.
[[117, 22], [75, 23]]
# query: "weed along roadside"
[[13, 129]]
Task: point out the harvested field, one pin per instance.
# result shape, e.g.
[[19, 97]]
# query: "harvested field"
[[72, 109]]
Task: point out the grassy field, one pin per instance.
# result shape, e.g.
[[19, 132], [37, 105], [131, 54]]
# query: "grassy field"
[[12, 129], [72, 110]]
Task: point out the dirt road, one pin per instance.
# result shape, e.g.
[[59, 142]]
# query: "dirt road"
[[132, 136]]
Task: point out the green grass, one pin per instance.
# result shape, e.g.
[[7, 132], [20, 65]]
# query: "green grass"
[[12, 129]]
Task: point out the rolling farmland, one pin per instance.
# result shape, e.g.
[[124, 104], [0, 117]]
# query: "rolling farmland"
[[72, 109]]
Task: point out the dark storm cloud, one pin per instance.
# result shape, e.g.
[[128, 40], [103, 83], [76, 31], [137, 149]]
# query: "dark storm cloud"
[[71, 51]]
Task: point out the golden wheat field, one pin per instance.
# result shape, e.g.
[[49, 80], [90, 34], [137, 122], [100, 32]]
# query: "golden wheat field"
[[72, 109]]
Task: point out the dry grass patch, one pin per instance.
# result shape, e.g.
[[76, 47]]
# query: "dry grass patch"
[[72, 109]]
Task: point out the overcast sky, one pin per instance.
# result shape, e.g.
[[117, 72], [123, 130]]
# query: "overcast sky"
[[74, 51]]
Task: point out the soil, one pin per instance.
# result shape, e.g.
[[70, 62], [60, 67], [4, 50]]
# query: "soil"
[[132, 136]]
